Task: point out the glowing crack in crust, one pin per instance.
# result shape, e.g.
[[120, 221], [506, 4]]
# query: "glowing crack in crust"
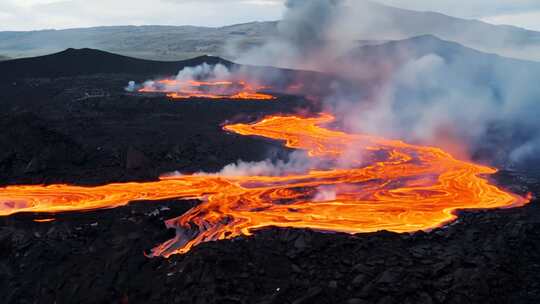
[[394, 186]]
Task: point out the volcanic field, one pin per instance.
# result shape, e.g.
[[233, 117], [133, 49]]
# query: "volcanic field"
[[114, 188]]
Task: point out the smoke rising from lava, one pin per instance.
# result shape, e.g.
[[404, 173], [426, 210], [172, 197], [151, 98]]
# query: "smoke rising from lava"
[[421, 89], [203, 81], [204, 72]]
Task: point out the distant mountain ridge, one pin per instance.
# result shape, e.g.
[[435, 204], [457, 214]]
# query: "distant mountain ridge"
[[75, 62], [182, 42], [490, 99], [485, 69], [148, 42], [429, 70], [395, 23]]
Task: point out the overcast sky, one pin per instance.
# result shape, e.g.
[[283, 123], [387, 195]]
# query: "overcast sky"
[[46, 14]]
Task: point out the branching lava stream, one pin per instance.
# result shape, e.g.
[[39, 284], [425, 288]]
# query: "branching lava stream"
[[391, 185]]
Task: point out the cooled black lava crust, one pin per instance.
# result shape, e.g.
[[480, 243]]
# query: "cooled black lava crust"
[[65, 127]]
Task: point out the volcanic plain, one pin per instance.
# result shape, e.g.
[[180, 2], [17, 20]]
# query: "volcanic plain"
[[66, 118]]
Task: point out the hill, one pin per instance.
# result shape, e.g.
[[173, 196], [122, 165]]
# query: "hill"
[[76, 62], [81, 62], [432, 81], [401, 51], [390, 23]]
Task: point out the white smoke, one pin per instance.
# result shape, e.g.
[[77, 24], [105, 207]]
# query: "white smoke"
[[325, 193], [298, 162], [204, 71], [529, 150], [200, 72], [421, 89], [131, 87]]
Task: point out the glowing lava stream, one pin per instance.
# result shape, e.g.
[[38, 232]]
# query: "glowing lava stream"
[[403, 188], [177, 89]]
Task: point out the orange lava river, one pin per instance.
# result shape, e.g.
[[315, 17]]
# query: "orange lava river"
[[388, 185], [177, 89]]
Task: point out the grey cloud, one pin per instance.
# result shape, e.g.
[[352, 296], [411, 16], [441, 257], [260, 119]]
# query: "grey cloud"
[[423, 89]]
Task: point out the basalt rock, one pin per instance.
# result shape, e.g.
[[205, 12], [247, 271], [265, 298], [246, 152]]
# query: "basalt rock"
[[99, 256]]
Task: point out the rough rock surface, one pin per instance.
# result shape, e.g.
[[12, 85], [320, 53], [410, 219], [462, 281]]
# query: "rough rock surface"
[[97, 257], [49, 136], [53, 132]]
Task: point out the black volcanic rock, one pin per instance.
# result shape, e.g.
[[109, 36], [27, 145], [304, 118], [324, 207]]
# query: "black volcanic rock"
[[76, 62], [59, 132], [92, 62], [136, 159], [29, 146], [98, 257]]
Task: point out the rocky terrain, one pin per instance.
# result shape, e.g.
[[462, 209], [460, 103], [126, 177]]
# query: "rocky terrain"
[[97, 257], [149, 42], [86, 129]]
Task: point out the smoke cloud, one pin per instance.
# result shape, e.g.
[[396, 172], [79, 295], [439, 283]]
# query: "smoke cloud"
[[421, 89], [206, 81], [297, 163], [204, 71]]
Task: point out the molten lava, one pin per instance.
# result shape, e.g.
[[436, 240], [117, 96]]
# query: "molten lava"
[[177, 89], [390, 185]]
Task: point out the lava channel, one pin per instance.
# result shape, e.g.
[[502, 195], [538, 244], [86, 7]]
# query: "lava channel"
[[178, 89], [391, 186]]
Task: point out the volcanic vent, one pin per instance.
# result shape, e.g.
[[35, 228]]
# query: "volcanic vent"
[[204, 82]]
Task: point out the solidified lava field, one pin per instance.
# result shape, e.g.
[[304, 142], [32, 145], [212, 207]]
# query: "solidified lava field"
[[87, 130]]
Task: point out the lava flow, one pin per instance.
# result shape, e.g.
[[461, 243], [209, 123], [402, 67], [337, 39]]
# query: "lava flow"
[[178, 89], [391, 185]]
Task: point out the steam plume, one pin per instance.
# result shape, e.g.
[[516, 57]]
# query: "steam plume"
[[421, 89]]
